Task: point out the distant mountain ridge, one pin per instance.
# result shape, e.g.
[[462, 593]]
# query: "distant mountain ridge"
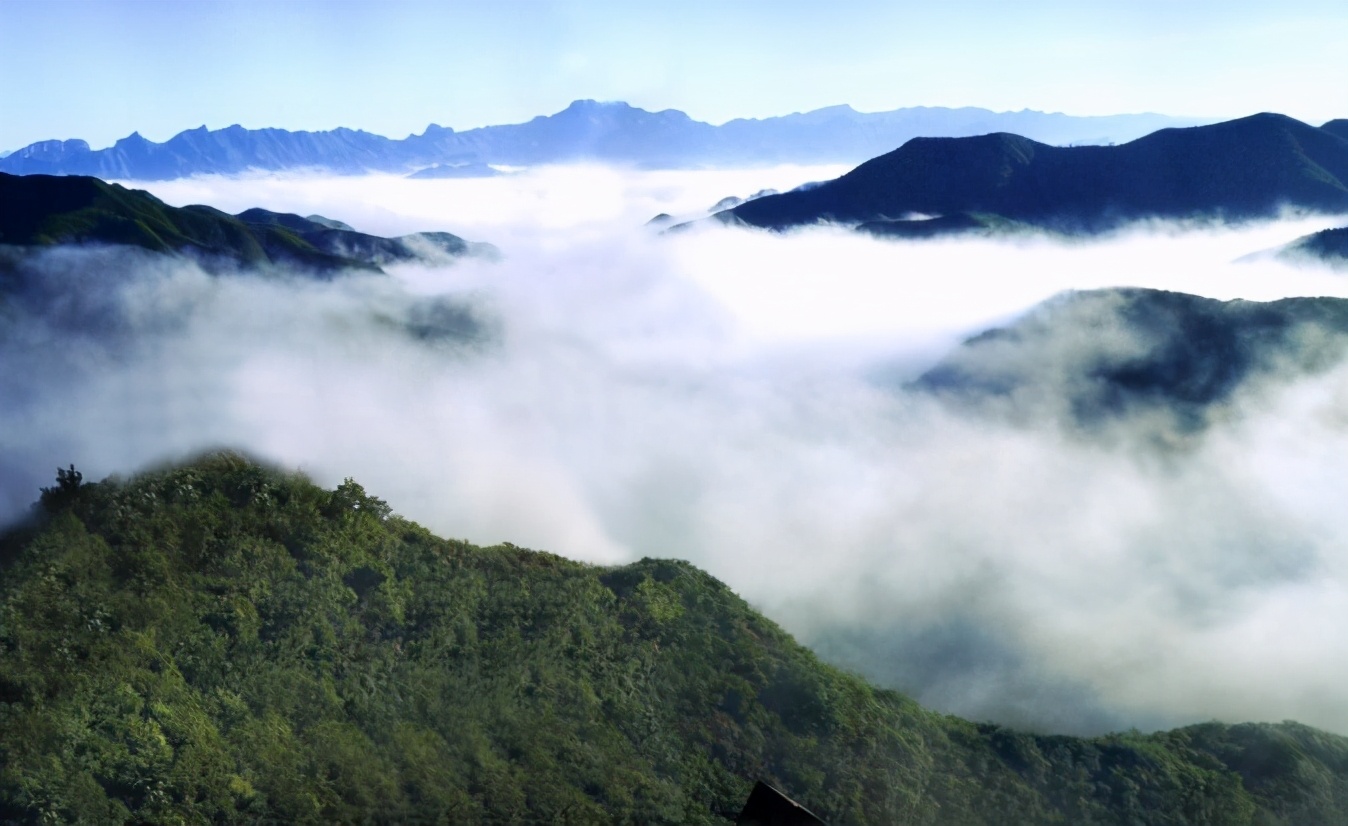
[[1245, 168], [585, 130]]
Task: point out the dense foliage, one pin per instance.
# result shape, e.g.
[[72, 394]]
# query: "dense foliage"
[[223, 643]]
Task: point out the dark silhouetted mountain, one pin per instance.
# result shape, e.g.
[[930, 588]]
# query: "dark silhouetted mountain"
[[1337, 127], [585, 130], [1252, 167], [47, 210], [1329, 245], [1104, 355], [219, 642], [956, 223]]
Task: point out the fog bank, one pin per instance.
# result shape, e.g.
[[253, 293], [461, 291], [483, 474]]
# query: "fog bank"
[[737, 399]]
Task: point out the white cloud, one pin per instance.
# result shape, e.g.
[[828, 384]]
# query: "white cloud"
[[714, 396]]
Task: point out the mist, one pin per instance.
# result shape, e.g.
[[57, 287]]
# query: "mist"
[[739, 399]]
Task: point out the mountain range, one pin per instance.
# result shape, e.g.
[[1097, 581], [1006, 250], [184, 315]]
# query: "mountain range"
[[1246, 168], [585, 130], [48, 210], [224, 642]]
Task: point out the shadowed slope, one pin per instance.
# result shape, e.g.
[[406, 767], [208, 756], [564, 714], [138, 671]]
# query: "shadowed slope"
[[1245, 168]]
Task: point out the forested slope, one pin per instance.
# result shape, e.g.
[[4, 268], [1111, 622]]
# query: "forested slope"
[[224, 643], [38, 211]]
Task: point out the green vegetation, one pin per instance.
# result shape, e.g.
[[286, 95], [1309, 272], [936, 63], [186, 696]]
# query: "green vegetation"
[[224, 643], [46, 210]]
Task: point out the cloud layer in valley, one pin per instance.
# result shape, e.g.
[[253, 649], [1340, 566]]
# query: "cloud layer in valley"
[[738, 399]]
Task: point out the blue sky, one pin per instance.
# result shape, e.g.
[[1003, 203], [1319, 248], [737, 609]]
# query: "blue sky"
[[100, 70]]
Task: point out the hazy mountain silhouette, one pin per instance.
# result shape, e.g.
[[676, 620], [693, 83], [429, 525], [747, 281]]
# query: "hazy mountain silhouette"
[[585, 130], [1144, 351], [473, 169], [1329, 245], [46, 210], [1251, 167]]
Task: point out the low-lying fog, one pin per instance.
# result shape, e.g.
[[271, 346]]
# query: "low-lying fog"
[[735, 399]]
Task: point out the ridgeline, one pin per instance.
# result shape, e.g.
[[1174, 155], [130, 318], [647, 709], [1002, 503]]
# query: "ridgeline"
[[587, 130], [1253, 167], [47, 210], [223, 643]]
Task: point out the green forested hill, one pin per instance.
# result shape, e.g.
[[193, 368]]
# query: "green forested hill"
[[47, 210], [223, 643]]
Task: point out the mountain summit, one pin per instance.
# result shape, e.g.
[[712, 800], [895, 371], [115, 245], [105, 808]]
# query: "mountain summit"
[[1251, 167], [612, 132]]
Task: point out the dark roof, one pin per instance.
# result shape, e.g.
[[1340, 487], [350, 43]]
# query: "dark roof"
[[769, 807]]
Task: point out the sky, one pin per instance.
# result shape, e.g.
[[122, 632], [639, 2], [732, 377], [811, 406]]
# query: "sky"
[[101, 70], [732, 398]]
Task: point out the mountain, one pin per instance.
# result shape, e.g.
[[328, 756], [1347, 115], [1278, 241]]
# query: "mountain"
[[955, 223], [1251, 167], [46, 210], [1338, 127], [1328, 245], [842, 134], [461, 170], [585, 130], [1155, 352], [219, 642]]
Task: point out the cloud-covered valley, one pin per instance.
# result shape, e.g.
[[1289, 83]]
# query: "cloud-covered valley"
[[744, 400]]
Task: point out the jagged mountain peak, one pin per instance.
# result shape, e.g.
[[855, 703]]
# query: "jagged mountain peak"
[[613, 131], [590, 105]]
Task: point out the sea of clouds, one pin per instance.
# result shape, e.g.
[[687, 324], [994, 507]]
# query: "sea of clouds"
[[737, 399]]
